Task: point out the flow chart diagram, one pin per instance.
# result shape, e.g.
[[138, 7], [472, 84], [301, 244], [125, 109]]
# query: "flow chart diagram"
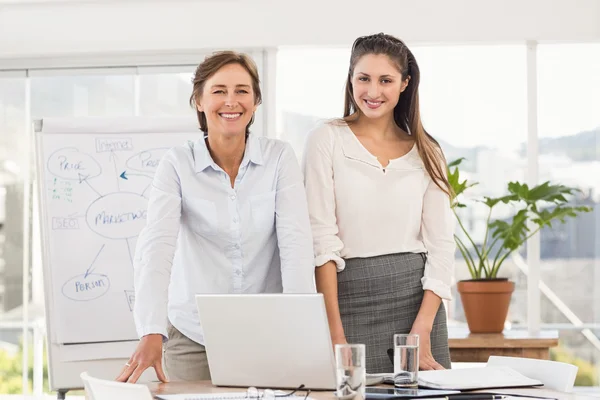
[[116, 216], [95, 191]]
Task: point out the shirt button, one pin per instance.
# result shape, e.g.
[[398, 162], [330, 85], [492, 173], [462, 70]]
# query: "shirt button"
[[232, 197], [235, 220]]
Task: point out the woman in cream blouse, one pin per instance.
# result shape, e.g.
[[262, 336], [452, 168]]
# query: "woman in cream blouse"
[[380, 211]]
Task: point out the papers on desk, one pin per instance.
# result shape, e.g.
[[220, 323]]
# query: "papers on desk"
[[219, 396], [203, 396], [464, 378], [475, 378]]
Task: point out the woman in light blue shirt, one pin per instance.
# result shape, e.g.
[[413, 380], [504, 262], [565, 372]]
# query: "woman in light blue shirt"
[[227, 214]]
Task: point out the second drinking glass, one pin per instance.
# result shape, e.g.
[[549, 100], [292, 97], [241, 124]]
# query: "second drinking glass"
[[406, 360]]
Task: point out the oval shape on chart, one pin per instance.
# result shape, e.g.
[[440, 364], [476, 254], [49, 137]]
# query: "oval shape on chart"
[[119, 215], [70, 164], [86, 287], [147, 160]]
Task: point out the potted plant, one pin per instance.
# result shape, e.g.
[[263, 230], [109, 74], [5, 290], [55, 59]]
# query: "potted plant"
[[485, 296]]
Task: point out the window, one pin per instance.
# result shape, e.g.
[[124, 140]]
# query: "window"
[[13, 163], [82, 94], [310, 88], [569, 152], [165, 92], [473, 101]]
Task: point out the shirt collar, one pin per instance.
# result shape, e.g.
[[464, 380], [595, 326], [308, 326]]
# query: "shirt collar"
[[353, 149], [254, 152], [203, 159]]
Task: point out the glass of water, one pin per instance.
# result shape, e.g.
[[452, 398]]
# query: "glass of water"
[[406, 360], [351, 376]]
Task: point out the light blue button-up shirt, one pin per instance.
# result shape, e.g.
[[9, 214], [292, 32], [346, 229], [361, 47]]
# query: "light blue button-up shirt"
[[203, 236]]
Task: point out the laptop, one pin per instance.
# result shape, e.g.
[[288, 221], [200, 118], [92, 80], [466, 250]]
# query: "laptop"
[[267, 340]]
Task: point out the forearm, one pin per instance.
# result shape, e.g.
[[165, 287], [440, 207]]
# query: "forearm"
[[326, 280], [428, 310], [294, 239], [151, 298], [151, 278]]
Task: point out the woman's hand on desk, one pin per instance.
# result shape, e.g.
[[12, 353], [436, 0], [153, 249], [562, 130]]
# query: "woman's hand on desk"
[[147, 354], [426, 360]]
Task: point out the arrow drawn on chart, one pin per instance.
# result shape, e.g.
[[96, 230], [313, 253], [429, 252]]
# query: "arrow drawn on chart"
[[90, 269], [84, 178], [113, 157], [125, 175], [129, 251]]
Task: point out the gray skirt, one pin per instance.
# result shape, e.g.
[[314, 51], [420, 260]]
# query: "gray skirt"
[[381, 296]]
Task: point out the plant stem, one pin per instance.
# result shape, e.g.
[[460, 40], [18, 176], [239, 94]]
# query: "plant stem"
[[495, 261], [487, 227], [532, 233], [466, 256], [467, 234], [490, 247], [485, 266], [484, 250], [497, 267]]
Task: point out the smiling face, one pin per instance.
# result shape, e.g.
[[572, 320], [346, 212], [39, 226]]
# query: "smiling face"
[[228, 100], [376, 86]]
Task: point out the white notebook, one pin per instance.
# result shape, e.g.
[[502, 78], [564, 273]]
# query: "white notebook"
[[464, 378], [475, 378]]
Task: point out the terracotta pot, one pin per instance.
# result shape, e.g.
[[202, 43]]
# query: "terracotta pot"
[[485, 302]]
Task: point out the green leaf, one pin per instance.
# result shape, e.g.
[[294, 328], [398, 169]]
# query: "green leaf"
[[544, 192], [519, 189], [458, 186], [512, 234], [456, 162], [491, 202], [546, 216]]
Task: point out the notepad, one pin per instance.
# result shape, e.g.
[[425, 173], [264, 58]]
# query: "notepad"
[[475, 378], [464, 378]]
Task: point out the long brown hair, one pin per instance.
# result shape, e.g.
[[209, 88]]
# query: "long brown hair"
[[406, 113], [210, 66]]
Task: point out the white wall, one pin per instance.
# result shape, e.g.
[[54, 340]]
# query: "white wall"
[[43, 28]]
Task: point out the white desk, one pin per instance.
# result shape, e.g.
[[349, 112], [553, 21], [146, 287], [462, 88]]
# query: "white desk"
[[207, 387]]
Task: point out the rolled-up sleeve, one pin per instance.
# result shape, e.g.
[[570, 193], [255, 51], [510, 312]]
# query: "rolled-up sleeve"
[[155, 250], [438, 237], [320, 194], [294, 237]]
